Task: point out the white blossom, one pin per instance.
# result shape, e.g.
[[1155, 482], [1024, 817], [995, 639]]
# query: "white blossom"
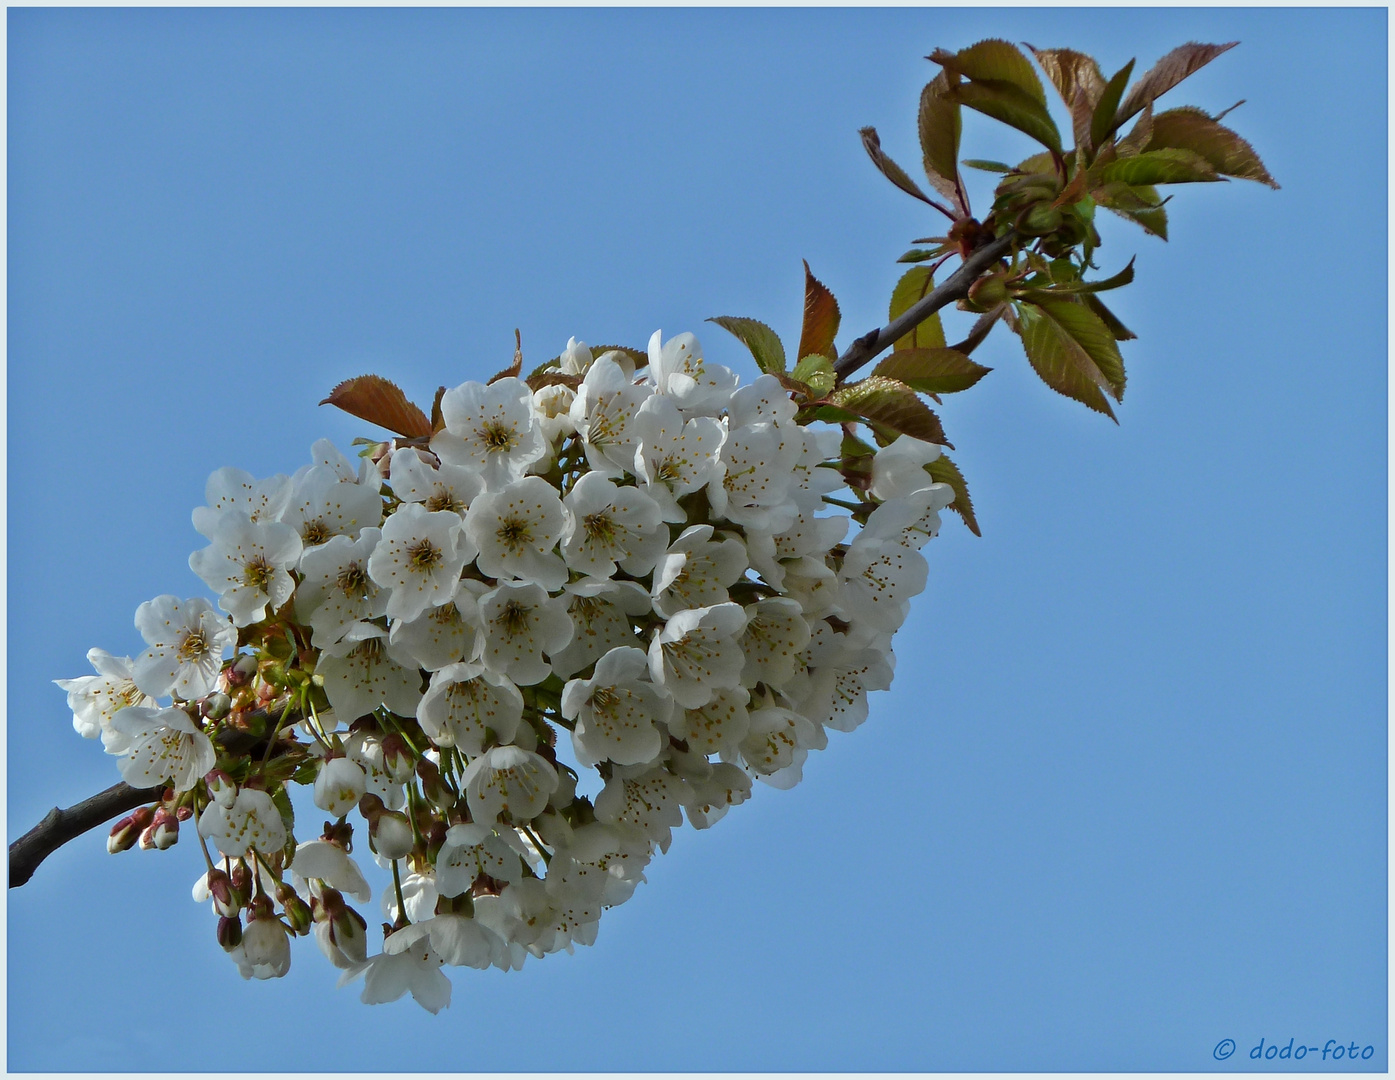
[[187, 639], [469, 851], [324, 505], [336, 590], [265, 951], [899, 469], [612, 525], [696, 571], [248, 564], [650, 799], [508, 783], [603, 413], [616, 710], [323, 861], [359, 675], [466, 701], [696, 653], [601, 612], [419, 559], [490, 429], [251, 823], [339, 785], [236, 490], [95, 699], [441, 635], [389, 976], [442, 487], [522, 627], [675, 456], [758, 462], [776, 634], [679, 371], [516, 529], [162, 746]]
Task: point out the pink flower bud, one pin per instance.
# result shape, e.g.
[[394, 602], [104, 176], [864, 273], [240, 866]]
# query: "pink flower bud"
[[221, 788], [229, 932], [184, 813], [163, 831], [397, 758], [123, 836]]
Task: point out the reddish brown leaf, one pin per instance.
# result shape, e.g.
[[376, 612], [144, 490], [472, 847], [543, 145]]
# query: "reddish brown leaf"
[[1167, 73], [1191, 129], [375, 399], [1071, 72], [438, 420], [939, 123], [944, 471], [821, 319], [872, 142], [511, 372]]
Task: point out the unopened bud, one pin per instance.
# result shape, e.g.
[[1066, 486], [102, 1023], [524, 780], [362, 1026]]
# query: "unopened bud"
[[370, 806], [241, 884], [349, 931], [433, 787], [184, 813], [221, 788], [392, 835], [229, 932], [162, 832], [124, 835], [215, 706], [220, 888], [397, 758], [242, 669], [298, 914]]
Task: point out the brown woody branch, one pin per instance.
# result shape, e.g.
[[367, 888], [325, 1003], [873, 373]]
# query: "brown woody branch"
[[955, 287], [60, 826]]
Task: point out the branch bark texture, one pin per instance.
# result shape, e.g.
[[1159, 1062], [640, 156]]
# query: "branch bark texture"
[[60, 826], [955, 287]]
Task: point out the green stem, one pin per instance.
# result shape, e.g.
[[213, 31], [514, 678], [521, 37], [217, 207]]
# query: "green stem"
[[401, 904]]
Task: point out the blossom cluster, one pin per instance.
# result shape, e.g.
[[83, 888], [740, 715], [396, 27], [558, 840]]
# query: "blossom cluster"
[[640, 563]]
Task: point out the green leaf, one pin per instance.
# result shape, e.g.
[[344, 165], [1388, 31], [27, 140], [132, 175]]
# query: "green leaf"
[[815, 372], [994, 61], [939, 124], [987, 166], [1122, 278], [1140, 205], [1107, 107], [1136, 141], [1006, 102], [1118, 329], [944, 471], [914, 284], [1060, 361], [1169, 166], [821, 319], [1167, 73], [832, 414], [763, 342], [1191, 129], [1092, 335], [890, 405], [872, 143], [932, 371], [920, 255]]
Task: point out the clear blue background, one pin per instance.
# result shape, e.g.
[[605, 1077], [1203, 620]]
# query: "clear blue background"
[[1128, 795]]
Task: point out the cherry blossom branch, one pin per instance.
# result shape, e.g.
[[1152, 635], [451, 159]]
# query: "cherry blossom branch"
[[60, 826], [955, 287]]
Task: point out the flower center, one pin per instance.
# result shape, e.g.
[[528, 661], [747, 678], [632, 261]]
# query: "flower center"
[[444, 500], [600, 527], [193, 647], [316, 532], [514, 533], [497, 436], [669, 470], [514, 618], [423, 556], [257, 573], [353, 581]]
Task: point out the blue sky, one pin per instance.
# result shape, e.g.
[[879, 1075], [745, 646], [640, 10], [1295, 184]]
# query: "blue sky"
[[1127, 797]]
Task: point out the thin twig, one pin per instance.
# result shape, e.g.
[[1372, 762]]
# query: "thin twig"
[[955, 287], [60, 826]]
